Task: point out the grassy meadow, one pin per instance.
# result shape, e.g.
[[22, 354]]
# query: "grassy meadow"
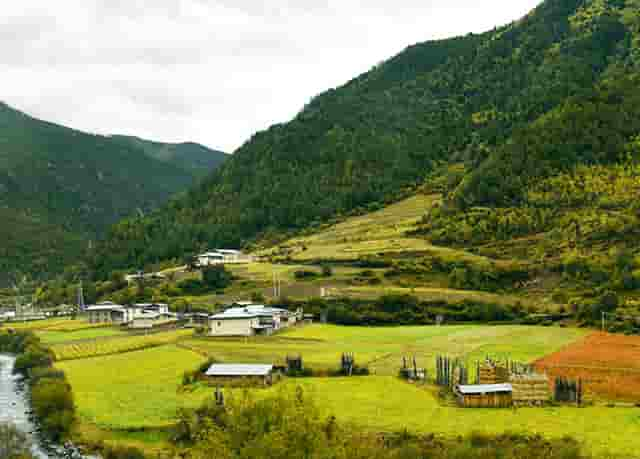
[[382, 348]]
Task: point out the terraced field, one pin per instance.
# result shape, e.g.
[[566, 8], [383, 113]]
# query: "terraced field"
[[116, 345]]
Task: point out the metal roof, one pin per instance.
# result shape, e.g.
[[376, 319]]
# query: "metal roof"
[[485, 388], [249, 312], [239, 370], [104, 307]]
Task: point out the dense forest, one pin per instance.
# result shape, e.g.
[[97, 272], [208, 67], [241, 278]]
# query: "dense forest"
[[538, 97], [61, 189]]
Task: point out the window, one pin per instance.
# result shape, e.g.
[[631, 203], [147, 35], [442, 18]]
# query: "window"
[[219, 324]]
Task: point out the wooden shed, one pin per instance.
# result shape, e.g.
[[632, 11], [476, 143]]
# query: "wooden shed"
[[485, 396]]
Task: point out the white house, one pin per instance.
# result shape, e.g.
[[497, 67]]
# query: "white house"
[[223, 256], [250, 320], [108, 312]]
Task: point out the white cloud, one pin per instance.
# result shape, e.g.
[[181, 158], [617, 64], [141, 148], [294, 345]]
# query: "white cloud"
[[211, 71]]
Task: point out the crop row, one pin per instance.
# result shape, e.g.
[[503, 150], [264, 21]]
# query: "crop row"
[[107, 346]]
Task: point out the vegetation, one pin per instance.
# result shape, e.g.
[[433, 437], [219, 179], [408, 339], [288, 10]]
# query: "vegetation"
[[292, 426], [70, 186], [51, 395], [13, 443], [115, 345], [505, 98]]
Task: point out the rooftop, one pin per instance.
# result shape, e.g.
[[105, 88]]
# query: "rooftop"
[[247, 312], [239, 370], [485, 389]]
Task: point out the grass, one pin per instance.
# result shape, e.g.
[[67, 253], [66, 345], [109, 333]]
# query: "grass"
[[370, 234], [123, 393], [388, 404], [136, 389], [115, 345], [49, 336], [383, 348]]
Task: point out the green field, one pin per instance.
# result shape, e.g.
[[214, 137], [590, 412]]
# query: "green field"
[[141, 389], [383, 348]]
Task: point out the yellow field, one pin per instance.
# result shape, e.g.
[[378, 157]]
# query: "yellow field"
[[116, 345], [136, 389]]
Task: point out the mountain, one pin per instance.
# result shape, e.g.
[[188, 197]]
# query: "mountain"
[[194, 158], [484, 101], [61, 188]]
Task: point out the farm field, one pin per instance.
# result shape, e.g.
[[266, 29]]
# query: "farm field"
[[608, 364], [40, 324], [115, 345], [382, 348], [134, 389], [139, 390], [51, 336]]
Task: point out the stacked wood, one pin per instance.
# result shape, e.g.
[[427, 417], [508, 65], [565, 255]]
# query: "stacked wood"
[[530, 389]]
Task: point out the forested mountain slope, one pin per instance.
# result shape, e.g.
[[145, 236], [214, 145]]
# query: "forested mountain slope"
[[461, 100], [61, 188], [192, 157]]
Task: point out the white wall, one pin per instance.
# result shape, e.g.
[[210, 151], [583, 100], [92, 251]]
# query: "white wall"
[[233, 327]]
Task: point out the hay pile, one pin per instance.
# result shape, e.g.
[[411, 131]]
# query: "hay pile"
[[492, 373], [530, 389]]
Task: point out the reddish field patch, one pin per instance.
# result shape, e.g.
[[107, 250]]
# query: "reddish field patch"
[[609, 365]]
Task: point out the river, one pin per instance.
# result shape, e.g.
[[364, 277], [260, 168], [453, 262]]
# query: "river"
[[14, 409]]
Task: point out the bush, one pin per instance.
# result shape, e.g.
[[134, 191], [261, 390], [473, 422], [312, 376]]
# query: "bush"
[[216, 277], [305, 274], [327, 271], [13, 443]]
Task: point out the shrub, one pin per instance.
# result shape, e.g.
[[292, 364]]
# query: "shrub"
[[13, 443]]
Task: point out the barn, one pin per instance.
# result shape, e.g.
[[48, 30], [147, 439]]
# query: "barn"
[[485, 396]]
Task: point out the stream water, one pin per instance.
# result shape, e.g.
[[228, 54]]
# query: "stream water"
[[15, 409]]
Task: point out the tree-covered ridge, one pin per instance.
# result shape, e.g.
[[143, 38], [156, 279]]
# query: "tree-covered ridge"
[[61, 188], [194, 158], [457, 100]]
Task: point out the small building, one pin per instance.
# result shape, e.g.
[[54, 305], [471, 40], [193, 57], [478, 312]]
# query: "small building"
[[485, 396], [139, 276], [251, 320], [223, 256], [108, 312], [149, 320], [241, 374]]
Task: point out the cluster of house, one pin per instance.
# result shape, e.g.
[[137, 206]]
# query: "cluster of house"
[[139, 316], [240, 319], [222, 257]]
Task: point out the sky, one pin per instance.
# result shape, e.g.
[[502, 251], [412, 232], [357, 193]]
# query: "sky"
[[208, 71]]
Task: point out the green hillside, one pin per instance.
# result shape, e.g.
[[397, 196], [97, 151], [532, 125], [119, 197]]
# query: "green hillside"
[[469, 100], [192, 157], [61, 188]]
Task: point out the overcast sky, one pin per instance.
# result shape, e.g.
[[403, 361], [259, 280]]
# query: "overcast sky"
[[210, 71]]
